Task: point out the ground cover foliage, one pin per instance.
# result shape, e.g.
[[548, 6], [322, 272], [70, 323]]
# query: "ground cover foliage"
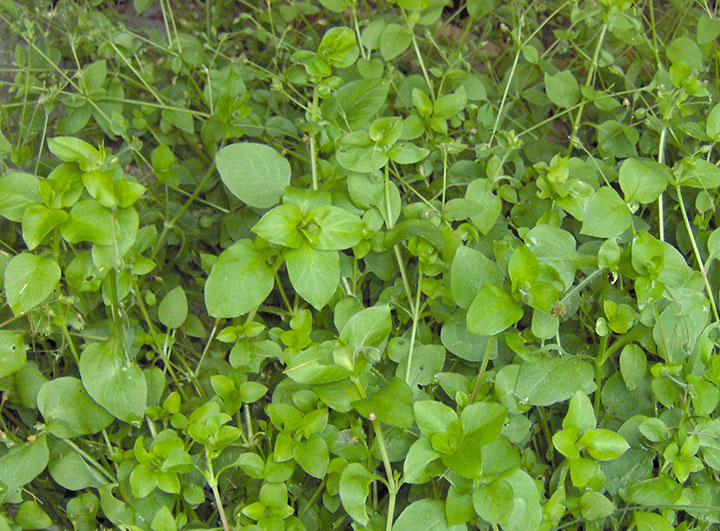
[[346, 264]]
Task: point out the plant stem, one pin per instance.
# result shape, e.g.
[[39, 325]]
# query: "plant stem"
[[696, 251], [392, 486], [589, 80], [212, 480], [413, 333], [313, 147], [483, 367], [661, 160]]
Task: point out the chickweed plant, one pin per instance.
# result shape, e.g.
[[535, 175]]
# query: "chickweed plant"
[[346, 264]]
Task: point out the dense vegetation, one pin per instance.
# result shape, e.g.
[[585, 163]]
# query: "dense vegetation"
[[347, 264]]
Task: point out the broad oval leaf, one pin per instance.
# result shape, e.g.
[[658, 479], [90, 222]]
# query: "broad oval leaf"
[[173, 308], [606, 214], [313, 273], [492, 311], [254, 173], [68, 410], [239, 281], [113, 381], [643, 180], [354, 488], [29, 280], [553, 380]]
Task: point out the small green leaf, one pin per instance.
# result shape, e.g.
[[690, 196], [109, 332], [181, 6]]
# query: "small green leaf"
[[603, 444], [394, 40], [606, 214], [354, 488], [433, 417], [313, 273], [71, 149], [548, 381], [646, 521], [595, 506], [422, 514], [280, 226], [38, 221], [469, 272], [338, 47], [493, 502], [23, 462], [18, 190], [391, 404], [239, 281], [580, 413], [30, 516], [643, 180], [12, 352], [633, 365], [173, 308], [29, 280], [338, 228], [312, 456], [367, 329], [68, 410], [492, 311], [113, 381], [254, 173], [562, 89]]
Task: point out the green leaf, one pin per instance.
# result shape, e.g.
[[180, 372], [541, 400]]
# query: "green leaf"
[[477, 9], [89, 221], [580, 413], [23, 462], [68, 410], [313, 273], [656, 491], [70, 470], [617, 139], [163, 520], [354, 488], [422, 514], [554, 247], [708, 29], [486, 205], [704, 394], [71, 149], [420, 455], [181, 119], [391, 404], [603, 444], [254, 173], [367, 329], [30, 516], [606, 215], [280, 226], [595, 506], [646, 521], [38, 221], [312, 456], [553, 380], [18, 190], [114, 381], [698, 173], [339, 229], [469, 272], [633, 365], [99, 184], [394, 40], [338, 47], [12, 352], [643, 180], [562, 89], [173, 308], [239, 281], [360, 101], [523, 268], [357, 152], [433, 417], [492, 311], [407, 153], [143, 480], [493, 502], [29, 280], [447, 106]]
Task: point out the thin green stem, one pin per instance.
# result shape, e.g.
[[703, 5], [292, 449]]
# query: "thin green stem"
[[661, 160], [413, 332], [313, 147], [392, 486], [589, 81], [696, 251], [483, 367], [212, 481], [207, 346], [90, 460]]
